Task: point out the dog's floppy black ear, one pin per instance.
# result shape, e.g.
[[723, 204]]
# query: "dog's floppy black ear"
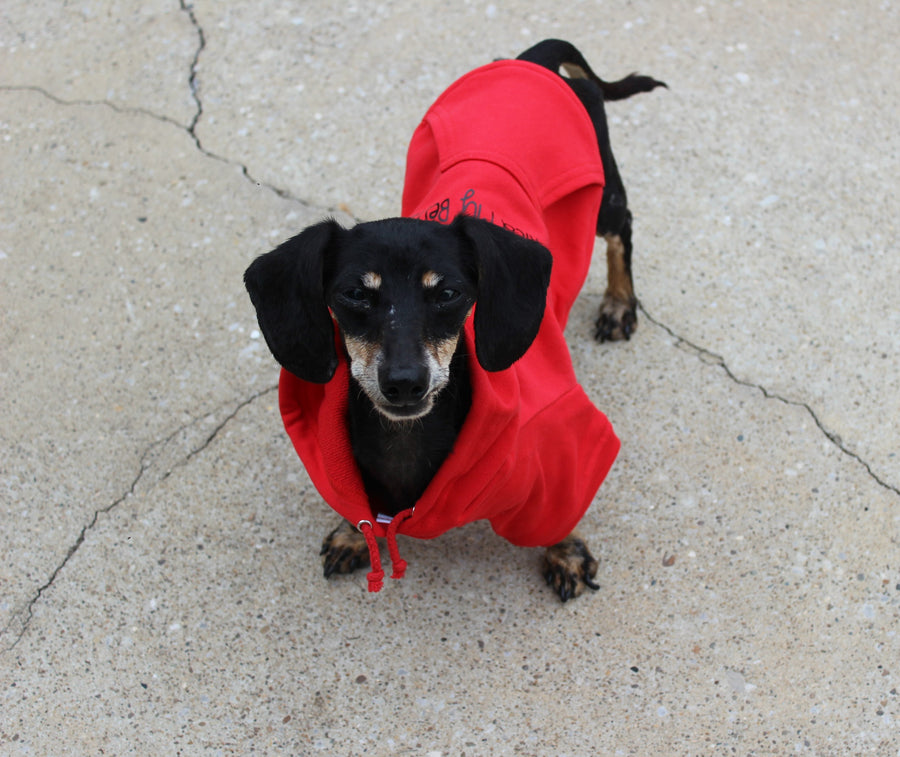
[[513, 276], [287, 290]]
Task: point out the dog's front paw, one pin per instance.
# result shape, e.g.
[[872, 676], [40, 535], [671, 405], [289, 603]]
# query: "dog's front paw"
[[617, 319], [569, 567], [344, 550]]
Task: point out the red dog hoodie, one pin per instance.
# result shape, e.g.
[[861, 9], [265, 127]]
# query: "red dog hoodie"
[[512, 144]]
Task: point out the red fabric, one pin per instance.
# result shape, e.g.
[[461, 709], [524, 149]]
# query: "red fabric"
[[511, 143]]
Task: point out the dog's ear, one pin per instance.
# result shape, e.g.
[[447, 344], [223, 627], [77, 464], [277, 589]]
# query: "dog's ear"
[[513, 276], [286, 288]]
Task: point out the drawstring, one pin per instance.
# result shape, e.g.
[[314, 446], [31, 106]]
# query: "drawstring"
[[397, 562], [376, 575]]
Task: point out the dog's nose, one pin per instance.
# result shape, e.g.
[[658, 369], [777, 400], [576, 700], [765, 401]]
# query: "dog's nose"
[[405, 385]]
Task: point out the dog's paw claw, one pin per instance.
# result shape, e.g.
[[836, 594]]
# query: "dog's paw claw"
[[569, 568], [344, 550], [616, 321]]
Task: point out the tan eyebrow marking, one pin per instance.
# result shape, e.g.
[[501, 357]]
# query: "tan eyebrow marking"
[[371, 280], [431, 279]]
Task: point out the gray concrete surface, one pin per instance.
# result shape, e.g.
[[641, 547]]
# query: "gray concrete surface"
[[160, 588]]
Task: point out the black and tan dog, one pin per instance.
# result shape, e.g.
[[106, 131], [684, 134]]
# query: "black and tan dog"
[[413, 417]]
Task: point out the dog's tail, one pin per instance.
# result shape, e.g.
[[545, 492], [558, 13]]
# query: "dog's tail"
[[554, 54], [630, 85]]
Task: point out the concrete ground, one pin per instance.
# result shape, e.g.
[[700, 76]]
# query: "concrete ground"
[[160, 585]]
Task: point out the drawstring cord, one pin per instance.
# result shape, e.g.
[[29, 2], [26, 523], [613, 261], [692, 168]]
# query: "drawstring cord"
[[398, 564], [376, 576]]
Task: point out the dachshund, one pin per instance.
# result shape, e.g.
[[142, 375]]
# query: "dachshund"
[[394, 335]]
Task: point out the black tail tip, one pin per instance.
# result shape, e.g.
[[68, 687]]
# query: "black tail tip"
[[632, 84]]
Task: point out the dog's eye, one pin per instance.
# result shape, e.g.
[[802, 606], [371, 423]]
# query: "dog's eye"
[[446, 296], [357, 296]]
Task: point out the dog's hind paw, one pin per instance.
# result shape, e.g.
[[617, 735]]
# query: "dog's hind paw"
[[569, 568], [344, 550], [617, 319]]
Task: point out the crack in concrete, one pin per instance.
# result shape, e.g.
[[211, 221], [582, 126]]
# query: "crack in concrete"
[[90, 103], [711, 358], [191, 127], [194, 84], [22, 617], [192, 79]]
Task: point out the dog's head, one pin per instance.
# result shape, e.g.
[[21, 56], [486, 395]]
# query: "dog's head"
[[400, 291]]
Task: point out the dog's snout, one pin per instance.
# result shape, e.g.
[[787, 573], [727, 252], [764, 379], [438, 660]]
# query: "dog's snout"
[[405, 385]]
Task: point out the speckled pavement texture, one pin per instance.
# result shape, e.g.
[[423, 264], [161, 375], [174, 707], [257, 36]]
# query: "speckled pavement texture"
[[160, 585]]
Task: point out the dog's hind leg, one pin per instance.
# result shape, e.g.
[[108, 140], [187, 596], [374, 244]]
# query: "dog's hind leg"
[[617, 318], [569, 567], [344, 550]]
